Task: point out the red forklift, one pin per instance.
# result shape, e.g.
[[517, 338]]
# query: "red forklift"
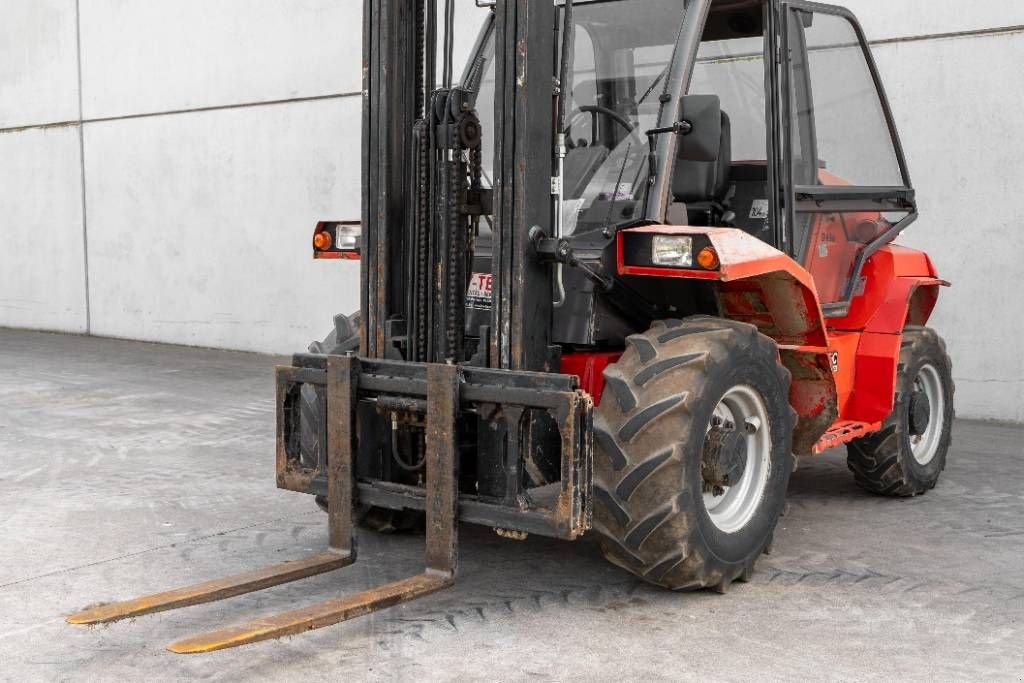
[[616, 279]]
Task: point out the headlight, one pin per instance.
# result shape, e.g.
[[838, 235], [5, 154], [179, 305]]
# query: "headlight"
[[672, 250], [347, 237]]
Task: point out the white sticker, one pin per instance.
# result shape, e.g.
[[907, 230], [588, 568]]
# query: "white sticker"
[[623, 192], [759, 209], [479, 293]]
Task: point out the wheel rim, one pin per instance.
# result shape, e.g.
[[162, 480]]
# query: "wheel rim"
[[733, 509], [925, 446]]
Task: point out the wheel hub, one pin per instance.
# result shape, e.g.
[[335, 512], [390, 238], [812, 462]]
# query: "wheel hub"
[[724, 460], [920, 412], [926, 414], [736, 459]]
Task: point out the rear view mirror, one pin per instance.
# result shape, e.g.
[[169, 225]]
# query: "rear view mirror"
[[703, 141]]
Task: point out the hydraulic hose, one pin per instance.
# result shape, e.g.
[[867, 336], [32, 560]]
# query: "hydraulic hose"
[[564, 89]]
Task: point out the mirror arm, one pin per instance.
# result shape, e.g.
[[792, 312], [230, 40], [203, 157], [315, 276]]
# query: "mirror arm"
[[678, 128]]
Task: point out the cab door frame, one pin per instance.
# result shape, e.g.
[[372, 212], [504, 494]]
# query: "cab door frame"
[[801, 198]]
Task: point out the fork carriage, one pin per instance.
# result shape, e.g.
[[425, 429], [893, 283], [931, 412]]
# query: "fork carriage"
[[508, 418]]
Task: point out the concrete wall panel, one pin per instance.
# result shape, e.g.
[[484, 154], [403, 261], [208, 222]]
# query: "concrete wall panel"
[[965, 159], [142, 57], [200, 224], [38, 62], [888, 19], [42, 268]]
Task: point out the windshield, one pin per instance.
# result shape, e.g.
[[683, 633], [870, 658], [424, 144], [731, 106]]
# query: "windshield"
[[621, 55]]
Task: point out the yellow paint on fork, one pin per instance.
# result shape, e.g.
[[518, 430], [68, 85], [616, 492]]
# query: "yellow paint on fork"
[[210, 591], [319, 615]]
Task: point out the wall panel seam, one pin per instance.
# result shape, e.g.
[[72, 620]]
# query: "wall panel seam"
[[973, 33], [983, 32], [81, 161], [177, 112]]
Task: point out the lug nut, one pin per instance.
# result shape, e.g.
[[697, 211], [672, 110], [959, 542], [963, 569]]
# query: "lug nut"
[[752, 425]]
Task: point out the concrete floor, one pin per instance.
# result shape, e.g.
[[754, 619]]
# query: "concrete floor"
[[130, 468]]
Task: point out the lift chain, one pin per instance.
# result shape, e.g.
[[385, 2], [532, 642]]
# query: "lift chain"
[[422, 227], [456, 250]]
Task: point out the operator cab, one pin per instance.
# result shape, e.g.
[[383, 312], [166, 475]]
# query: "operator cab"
[[729, 187], [814, 141]]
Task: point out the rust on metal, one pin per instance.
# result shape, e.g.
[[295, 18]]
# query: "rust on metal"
[[291, 476], [287, 478], [443, 389], [326, 613], [341, 417], [813, 396], [340, 371], [211, 591], [844, 432], [292, 479], [511, 534]]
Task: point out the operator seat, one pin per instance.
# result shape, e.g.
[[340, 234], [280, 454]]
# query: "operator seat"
[[701, 186]]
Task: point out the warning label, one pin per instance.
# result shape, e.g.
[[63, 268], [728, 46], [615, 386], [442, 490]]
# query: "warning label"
[[479, 293]]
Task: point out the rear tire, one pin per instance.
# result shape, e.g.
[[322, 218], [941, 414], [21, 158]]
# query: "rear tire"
[[658, 513], [908, 455], [346, 328], [344, 338]]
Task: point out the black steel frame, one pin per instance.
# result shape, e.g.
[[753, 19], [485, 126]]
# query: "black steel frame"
[[503, 398], [411, 158], [392, 78], [524, 140]]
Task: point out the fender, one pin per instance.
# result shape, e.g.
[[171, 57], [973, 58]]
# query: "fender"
[[762, 286], [900, 288], [844, 372]]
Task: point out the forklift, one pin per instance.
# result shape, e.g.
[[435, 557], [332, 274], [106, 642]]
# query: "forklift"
[[617, 279]]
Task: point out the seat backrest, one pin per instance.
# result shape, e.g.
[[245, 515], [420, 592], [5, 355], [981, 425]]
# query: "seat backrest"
[[750, 202], [705, 181]]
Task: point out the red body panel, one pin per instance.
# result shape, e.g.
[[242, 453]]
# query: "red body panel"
[[893, 279], [589, 367], [844, 371], [750, 266], [843, 362]]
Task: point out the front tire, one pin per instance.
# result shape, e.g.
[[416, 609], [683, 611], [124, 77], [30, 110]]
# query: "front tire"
[[693, 453], [909, 454]]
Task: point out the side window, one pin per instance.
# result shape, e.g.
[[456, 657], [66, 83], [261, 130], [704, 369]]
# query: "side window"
[[734, 70], [584, 87], [840, 137], [841, 105]]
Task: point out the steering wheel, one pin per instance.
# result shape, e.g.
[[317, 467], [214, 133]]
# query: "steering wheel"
[[594, 110]]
